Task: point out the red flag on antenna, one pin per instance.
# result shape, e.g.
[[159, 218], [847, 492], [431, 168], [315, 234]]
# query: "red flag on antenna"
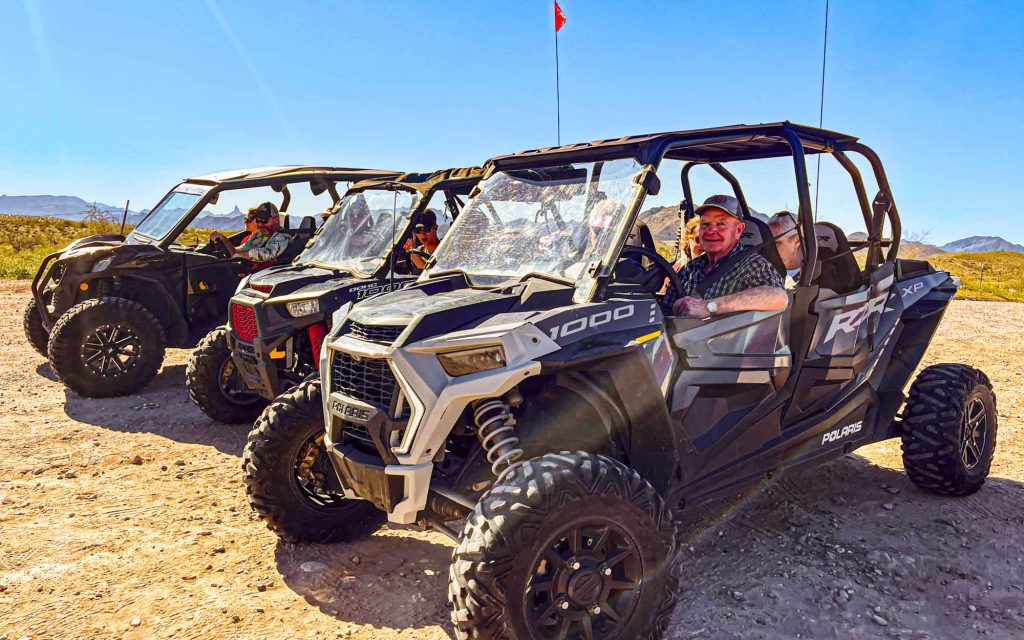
[[559, 17]]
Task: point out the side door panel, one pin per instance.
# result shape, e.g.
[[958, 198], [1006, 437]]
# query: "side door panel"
[[842, 345], [725, 398]]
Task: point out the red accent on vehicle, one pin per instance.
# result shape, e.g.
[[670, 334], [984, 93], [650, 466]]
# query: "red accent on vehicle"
[[243, 321], [262, 288], [316, 333]]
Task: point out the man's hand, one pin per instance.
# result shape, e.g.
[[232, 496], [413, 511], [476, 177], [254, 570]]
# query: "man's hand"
[[217, 235], [690, 306]]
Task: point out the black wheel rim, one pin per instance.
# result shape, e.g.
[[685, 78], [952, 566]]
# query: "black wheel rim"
[[311, 469], [111, 350], [972, 447], [585, 584], [231, 387]]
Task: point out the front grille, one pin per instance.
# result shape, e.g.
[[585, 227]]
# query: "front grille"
[[243, 321], [357, 431], [381, 334], [366, 379]]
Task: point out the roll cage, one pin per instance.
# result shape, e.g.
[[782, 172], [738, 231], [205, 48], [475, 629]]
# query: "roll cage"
[[714, 146], [321, 179], [453, 182]]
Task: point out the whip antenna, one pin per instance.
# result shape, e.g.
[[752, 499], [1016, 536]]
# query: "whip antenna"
[[821, 111]]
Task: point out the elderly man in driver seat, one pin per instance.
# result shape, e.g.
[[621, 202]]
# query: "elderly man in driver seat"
[[749, 283]]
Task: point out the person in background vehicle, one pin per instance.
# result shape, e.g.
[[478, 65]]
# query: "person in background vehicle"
[[787, 240], [750, 283], [691, 240], [691, 248], [424, 238], [264, 244]]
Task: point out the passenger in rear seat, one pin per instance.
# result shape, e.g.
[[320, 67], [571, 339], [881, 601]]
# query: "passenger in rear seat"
[[787, 241]]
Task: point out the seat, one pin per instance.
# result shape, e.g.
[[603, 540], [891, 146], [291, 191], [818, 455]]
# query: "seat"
[[837, 269], [757, 234]]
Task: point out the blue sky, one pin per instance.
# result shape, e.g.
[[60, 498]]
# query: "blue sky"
[[114, 99]]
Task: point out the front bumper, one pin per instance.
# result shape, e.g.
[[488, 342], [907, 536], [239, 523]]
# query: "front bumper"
[[398, 490]]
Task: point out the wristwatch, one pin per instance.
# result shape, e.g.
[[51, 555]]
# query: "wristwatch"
[[712, 307]]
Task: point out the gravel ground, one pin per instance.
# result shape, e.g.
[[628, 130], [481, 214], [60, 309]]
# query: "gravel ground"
[[125, 518]]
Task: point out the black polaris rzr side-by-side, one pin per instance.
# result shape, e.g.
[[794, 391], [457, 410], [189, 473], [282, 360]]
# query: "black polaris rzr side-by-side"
[[105, 307], [279, 316], [528, 386]]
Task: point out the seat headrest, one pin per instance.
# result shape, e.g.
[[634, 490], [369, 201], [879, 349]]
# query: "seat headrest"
[[837, 268], [757, 233], [308, 223], [829, 237]]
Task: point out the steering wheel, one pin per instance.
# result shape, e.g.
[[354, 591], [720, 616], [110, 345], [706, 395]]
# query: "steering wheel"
[[418, 252], [660, 262], [217, 249]]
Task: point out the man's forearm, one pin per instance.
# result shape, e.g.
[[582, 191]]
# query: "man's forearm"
[[755, 299]]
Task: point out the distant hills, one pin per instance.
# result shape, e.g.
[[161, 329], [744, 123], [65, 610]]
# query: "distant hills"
[[981, 244], [75, 208]]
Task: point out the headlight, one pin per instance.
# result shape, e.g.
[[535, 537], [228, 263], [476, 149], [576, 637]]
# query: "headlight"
[[301, 308], [101, 265], [461, 363]]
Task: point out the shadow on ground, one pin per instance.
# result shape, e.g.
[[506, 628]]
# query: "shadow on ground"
[[162, 407], [846, 550], [384, 580]]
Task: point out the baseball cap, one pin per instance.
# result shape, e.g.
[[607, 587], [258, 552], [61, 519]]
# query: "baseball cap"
[[263, 212], [427, 220], [728, 204]]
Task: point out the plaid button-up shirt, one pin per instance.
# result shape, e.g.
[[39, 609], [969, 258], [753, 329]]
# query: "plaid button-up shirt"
[[749, 271]]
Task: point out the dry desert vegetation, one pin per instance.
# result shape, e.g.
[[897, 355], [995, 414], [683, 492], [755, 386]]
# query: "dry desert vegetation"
[[126, 518]]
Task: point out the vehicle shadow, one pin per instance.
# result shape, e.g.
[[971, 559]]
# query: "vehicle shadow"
[[823, 552], [819, 553], [389, 579], [44, 370], [162, 407]]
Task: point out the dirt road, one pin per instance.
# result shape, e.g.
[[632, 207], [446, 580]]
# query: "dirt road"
[[125, 518]]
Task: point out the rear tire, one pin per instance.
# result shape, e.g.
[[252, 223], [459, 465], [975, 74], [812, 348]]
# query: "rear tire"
[[35, 332], [949, 429], [211, 377], [558, 538], [106, 347], [286, 442]]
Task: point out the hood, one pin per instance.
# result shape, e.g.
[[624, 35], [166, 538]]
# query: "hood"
[[289, 278], [437, 307], [93, 243]]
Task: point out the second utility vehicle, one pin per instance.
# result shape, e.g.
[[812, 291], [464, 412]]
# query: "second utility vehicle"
[[278, 318], [523, 385]]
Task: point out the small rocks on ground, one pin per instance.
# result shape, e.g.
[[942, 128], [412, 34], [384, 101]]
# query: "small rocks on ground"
[[137, 459], [136, 622], [312, 566]]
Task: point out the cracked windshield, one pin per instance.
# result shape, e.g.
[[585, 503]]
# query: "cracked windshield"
[[361, 232], [553, 221]]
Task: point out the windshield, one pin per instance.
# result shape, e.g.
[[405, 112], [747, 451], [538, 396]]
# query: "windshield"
[[555, 221], [166, 215], [362, 230]]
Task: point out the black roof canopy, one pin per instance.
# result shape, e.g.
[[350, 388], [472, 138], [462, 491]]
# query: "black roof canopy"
[[717, 144], [459, 179]]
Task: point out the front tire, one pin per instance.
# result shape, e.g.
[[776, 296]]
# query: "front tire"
[[949, 429], [284, 464], [566, 545], [214, 385], [35, 332], [106, 347]]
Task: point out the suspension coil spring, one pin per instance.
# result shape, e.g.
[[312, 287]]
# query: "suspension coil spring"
[[495, 427]]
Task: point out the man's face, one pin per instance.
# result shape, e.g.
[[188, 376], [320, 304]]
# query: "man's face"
[[790, 249], [719, 231], [423, 232]]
